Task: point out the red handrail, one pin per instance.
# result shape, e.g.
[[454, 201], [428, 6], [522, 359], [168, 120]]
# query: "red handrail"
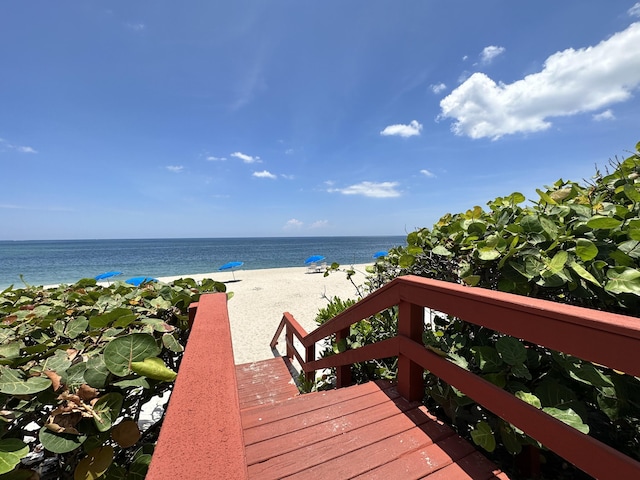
[[201, 436], [605, 338]]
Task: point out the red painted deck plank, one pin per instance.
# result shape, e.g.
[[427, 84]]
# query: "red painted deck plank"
[[423, 462], [317, 414], [376, 454], [305, 403], [264, 382]]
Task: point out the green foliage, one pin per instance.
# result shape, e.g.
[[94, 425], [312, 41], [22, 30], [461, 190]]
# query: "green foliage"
[[577, 244], [80, 362]]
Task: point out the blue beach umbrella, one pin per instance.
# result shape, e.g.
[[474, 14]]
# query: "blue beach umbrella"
[[105, 275], [380, 253], [137, 281], [313, 259], [231, 266]]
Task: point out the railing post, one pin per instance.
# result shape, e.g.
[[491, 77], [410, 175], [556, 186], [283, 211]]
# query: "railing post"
[[288, 335], [343, 372], [310, 356], [410, 374]]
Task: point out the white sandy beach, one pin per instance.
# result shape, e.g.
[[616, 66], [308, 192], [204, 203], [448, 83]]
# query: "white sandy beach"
[[262, 296]]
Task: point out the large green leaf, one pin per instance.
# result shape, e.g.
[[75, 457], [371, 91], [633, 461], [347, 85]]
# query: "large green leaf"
[[598, 222], [95, 464], [60, 442], [586, 249], [107, 409], [104, 320], [12, 451], [509, 438], [154, 368], [569, 417], [511, 350], [171, 343], [120, 352], [557, 263], [76, 326], [440, 250], [588, 373], [12, 382], [552, 393], [483, 436], [580, 270], [487, 359], [631, 248], [97, 372], [623, 280], [530, 398], [632, 193]]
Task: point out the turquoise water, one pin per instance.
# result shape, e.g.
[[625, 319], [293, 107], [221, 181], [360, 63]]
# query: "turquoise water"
[[66, 261]]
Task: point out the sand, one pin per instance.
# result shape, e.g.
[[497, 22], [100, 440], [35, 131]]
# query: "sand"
[[262, 296]]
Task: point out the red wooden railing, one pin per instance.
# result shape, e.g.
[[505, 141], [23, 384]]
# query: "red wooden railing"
[[603, 338], [201, 435]]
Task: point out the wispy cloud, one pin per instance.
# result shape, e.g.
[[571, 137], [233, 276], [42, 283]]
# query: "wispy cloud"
[[635, 10], [265, 174], [427, 173], [175, 168], [571, 82], [405, 131], [489, 53], [437, 87], [370, 189], [287, 177], [318, 224], [294, 223], [246, 158], [606, 115], [136, 27], [211, 158], [18, 148]]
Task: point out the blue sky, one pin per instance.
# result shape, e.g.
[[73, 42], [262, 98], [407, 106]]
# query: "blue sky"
[[142, 119]]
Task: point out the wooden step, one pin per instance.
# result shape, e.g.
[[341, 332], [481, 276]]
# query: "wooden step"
[[265, 382], [363, 431]]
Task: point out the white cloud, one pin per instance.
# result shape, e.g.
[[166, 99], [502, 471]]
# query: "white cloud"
[[571, 82], [635, 10], [404, 131], [438, 87], [211, 158], [19, 148], [465, 58], [489, 53], [606, 115], [427, 173], [319, 224], [370, 189], [287, 177], [265, 174], [175, 168], [246, 158], [293, 223]]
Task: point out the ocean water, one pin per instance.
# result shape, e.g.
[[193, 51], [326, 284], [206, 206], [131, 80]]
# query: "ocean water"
[[66, 261]]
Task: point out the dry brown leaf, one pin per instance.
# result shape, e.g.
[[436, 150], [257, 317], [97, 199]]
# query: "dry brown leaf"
[[56, 380], [86, 393]]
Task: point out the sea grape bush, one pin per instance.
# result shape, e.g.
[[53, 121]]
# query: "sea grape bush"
[[578, 243], [77, 365]]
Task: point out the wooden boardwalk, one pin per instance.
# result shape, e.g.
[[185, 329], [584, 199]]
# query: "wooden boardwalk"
[[363, 431]]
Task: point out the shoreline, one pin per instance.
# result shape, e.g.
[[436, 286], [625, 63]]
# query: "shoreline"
[[261, 296]]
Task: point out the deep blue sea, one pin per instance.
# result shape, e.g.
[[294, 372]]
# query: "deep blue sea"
[[66, 261]]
